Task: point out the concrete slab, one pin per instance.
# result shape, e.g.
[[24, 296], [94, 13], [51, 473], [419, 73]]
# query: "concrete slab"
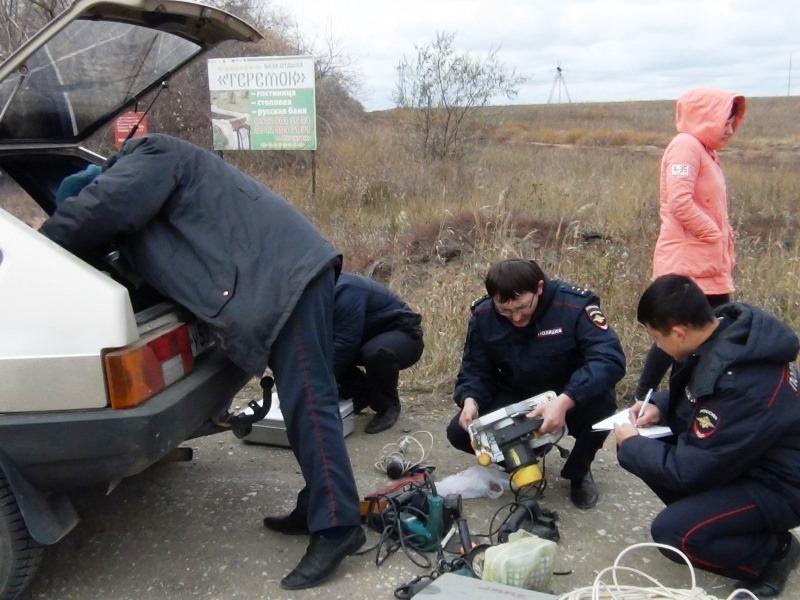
[[193, 530]]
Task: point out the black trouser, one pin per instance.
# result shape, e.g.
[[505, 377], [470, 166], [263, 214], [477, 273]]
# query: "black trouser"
[[733, 530], [579, 422], [383, 357], [301, 359], [658, 362]]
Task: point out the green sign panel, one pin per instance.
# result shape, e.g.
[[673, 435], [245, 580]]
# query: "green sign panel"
[[263, 103]]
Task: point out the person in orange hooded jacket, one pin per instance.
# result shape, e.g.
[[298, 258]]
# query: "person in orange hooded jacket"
[[696, 238]]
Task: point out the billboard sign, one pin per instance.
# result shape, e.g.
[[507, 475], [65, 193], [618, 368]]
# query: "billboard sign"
[[263, 103]]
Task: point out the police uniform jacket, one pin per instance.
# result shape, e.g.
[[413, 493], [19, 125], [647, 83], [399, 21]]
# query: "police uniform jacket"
[[364, 308], [568, 347], [735, 408], [203, 234]]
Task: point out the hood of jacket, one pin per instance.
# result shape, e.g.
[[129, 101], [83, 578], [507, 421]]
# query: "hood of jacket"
[[702, 113], [751, 336]]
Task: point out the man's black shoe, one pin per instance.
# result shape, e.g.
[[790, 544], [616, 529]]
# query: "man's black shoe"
[[292, 524], [583, 492], [775, 574], [322, 556], [383, 420]]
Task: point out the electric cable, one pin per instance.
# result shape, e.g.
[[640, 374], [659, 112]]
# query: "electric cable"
[[388, 522], [601, 590], [398, 458]]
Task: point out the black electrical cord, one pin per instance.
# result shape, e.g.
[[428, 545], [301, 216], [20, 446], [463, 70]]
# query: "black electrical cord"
[[388, 523]]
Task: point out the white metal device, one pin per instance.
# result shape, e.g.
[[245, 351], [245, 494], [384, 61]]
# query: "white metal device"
[[482, 431]]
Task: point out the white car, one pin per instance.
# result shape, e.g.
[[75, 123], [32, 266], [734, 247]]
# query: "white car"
[[99, 376]]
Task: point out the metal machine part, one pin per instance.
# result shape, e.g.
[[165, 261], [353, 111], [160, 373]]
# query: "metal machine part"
[[509, 438]]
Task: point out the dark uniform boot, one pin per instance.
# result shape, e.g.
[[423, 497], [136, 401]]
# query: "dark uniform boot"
[[583, 492], [292, 524], [327, 549], [383, 420], [775, 574]]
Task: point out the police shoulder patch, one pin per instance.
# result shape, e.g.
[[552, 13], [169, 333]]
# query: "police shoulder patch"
[[478, 301], [705, 423], [596, 316]]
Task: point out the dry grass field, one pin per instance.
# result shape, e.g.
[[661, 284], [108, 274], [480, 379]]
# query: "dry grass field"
[[573, 186]]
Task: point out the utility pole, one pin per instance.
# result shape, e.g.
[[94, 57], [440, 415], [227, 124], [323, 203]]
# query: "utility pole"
[[789, 86]]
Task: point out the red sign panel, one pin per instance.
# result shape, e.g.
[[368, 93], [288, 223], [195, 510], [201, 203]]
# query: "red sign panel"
[[127, 121]]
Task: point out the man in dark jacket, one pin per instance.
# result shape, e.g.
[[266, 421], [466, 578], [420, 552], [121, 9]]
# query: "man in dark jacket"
[[373, 328], [531, 335], [251, 266], [731, 476]]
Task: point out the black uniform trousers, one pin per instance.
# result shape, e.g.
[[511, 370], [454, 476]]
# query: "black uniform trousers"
[[383, 357], [301, 359], [579, 422], [734, 530]]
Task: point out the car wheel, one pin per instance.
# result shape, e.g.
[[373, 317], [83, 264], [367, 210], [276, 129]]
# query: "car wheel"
[[20, 555]]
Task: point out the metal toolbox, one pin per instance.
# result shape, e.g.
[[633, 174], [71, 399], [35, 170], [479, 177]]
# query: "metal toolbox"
[[271, 430]]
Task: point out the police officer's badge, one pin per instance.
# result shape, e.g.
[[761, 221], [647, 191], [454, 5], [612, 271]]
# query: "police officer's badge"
[[705, 423], [597, 317]]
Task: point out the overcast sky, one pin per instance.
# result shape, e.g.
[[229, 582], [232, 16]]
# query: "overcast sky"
[[608, 50]]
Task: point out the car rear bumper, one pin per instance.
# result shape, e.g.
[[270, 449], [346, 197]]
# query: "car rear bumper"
[[63, 450]]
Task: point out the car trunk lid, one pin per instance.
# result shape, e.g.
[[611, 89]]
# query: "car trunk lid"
[[99, 57]]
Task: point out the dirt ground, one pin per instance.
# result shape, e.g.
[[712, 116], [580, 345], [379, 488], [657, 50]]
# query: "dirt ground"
[[193, 530]]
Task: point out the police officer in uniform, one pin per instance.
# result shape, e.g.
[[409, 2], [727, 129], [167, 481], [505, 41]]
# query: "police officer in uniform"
[[261, 276], [731, 476], [530, 335], [374, 330]]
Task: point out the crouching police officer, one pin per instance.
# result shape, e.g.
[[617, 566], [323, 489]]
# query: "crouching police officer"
[[530, 335], [731, 477], [374, 329]]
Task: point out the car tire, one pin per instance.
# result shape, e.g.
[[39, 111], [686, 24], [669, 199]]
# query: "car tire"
[[20, 555]]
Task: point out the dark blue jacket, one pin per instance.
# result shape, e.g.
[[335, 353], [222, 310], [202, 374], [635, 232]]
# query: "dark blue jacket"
[[364, 308], [562, 349], [202, 233], [735, 407]]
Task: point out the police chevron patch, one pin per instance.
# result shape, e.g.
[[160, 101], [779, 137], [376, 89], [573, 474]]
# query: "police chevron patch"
[[705, 423]]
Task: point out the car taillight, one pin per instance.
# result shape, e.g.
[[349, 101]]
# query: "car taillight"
[[136, 372]]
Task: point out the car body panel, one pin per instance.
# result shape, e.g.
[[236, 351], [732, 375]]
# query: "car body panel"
[[56, 309], [46, 455], [65, 450], [59, 313]]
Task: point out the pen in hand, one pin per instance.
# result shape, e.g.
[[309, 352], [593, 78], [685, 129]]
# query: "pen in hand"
[[644, 404]]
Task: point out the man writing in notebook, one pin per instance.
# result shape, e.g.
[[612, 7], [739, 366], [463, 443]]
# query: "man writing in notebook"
[[731, 476]]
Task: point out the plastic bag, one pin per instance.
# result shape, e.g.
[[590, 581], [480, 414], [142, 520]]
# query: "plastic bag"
[[524, 561], [475, 482]]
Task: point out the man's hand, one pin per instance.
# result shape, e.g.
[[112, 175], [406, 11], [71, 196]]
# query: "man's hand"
[[651, 416], [469, 412], [554, 413], [623, 432]]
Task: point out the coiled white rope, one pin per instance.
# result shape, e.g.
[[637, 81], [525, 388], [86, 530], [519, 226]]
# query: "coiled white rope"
[[601, 590]]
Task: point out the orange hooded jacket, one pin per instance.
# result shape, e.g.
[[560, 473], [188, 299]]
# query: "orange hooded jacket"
[[696, 238]]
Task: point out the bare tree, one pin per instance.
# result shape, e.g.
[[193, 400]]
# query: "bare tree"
[[443, 87], [20, 19]]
